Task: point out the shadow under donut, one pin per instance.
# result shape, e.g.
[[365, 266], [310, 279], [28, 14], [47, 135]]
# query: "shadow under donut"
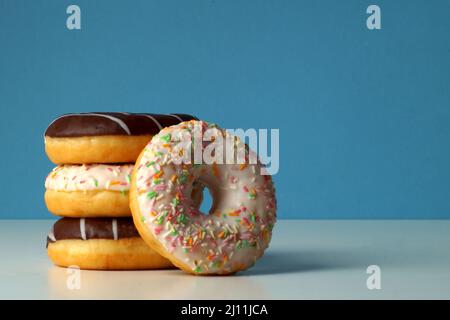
[[293, 261]]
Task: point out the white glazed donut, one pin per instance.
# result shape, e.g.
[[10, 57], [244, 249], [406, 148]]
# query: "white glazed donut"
[[90, 177], [239, 225], [93, 190]]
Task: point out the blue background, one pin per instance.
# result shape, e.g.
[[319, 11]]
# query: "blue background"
[[364, 116]]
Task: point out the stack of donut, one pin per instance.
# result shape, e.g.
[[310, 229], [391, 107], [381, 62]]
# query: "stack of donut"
[[128, 202], [89, 188]]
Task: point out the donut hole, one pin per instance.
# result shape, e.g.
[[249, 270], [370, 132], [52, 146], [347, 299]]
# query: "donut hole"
[[206, 204], [202, 198]]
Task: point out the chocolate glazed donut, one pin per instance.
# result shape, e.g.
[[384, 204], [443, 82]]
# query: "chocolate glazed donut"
[[104, 137], [92, 228], [102, 244]]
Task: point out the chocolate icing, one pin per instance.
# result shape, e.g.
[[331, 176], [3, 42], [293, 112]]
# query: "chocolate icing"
[[112, 123], [95, 228]]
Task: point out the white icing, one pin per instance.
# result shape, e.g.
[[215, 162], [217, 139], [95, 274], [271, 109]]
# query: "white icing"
[[154, 120], [114, 229], [90, 177], [51, 235], [238, 228], [177, 117], [116, 120], [83, 229]]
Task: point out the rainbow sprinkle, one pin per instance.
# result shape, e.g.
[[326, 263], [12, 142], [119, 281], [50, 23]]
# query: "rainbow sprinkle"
[[207, 243]]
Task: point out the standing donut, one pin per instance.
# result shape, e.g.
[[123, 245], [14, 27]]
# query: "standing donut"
[[238, 228], [103, 137]]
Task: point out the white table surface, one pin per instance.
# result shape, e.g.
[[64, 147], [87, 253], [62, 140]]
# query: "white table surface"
[[322, 259]]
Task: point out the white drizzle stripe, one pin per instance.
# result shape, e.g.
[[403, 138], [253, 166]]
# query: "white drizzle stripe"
[[154, 120], [60, 117], [176, 116], [117, 120], [112, 118], [51, 235], [115, 230], [83, 228]]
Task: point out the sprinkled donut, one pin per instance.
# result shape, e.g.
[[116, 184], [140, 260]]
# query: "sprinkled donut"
[[238, 227], [92, 190]]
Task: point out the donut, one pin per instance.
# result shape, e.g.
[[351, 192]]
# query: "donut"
[[103, 137], [238, 227], [102, 244], [96, 190]]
